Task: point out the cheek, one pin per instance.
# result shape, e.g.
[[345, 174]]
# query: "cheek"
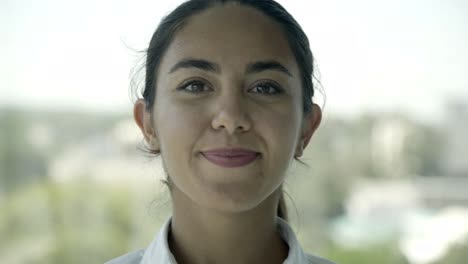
[[280, 130], [178, 117], [179, 124]]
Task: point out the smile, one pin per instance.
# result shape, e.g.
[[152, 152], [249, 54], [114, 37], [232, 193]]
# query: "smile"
[[231, 160]]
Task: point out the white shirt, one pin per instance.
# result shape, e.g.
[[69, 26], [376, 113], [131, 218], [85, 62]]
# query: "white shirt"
[[158, 251]]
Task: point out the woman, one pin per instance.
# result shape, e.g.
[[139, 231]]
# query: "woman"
[[227, 104]]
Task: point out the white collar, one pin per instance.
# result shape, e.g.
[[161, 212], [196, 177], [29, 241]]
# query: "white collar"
[[158, 251]]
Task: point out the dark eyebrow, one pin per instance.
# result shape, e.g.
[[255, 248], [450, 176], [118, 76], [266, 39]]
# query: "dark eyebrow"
[[196, 63], [260, 66]]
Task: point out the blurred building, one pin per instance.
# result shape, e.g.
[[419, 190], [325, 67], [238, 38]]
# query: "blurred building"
[[109, 158], [388, 138], [426, 215], [455, 161]]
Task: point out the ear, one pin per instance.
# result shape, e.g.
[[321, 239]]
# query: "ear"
[[310, 124], [143, 120]]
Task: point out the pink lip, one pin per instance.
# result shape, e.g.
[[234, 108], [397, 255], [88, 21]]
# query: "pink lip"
[[230, 157]]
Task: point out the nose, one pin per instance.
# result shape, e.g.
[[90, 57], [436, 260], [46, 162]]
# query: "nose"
[[232, 115]]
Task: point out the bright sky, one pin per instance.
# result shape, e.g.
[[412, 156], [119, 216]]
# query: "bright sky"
[[402, 55]]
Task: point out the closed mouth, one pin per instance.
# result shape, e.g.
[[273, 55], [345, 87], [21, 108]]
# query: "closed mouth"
[[231, 158]]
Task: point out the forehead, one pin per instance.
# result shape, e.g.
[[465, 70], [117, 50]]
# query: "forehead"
[[230, 35]]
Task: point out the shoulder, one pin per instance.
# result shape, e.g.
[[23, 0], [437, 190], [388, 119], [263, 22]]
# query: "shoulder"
[[129, 258], [317, 260]]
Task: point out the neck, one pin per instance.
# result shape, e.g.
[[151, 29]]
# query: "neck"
[[202, 235]]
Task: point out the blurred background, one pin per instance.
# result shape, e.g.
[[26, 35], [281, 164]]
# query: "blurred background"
[[387, 174]]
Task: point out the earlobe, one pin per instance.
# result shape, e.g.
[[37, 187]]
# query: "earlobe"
[[311, 122], [299, 149], [143, 119]]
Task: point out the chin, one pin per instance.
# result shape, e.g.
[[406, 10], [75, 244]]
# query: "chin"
[[232, 198]]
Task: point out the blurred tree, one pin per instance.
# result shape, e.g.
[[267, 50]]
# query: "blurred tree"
[[20, 164], [458, 254], [381, 254]]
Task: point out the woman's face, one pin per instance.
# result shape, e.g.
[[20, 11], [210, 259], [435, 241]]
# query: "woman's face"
[[228, 80]]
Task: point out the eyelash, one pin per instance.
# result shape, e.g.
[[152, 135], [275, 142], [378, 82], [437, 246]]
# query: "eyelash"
[[268, 84], [189, 83]]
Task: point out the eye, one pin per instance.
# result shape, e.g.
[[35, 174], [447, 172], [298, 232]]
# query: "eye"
[[193, 86], [268, 88]]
